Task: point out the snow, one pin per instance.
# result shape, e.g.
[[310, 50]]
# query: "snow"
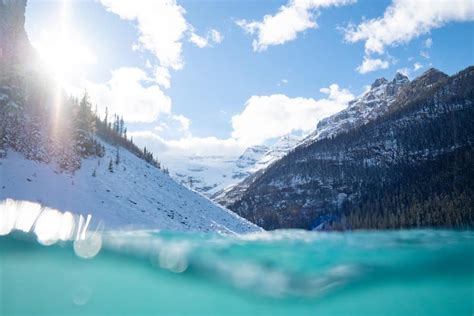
[[136, 195], [213, 175]]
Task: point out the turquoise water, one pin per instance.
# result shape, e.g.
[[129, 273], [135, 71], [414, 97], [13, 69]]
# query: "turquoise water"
[[421, 272]]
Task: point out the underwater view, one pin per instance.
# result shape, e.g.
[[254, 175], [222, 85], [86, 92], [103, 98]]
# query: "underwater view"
[[285, 272]]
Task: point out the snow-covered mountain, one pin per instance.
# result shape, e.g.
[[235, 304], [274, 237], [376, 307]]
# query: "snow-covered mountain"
[[276, 151], [371, 104], [401, 155], [211, 175]]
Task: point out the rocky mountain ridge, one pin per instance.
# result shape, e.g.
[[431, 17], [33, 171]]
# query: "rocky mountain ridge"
[[406, 164], [371, 104]]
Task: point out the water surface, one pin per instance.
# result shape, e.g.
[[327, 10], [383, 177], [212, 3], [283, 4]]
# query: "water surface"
[[423, 272]]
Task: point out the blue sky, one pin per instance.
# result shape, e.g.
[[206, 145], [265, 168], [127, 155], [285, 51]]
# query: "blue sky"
[[231, 94]]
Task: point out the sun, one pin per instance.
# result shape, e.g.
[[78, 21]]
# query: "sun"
[[63, 51], [63, 54]]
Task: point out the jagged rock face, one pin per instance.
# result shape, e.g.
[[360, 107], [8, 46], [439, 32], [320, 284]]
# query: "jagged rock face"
[[378, 83], [414, 153], [422, 85], [361, 110], [233, 192], [14, 44]]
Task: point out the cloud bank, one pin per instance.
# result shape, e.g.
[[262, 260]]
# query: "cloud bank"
[[403, 21], [295, 17], [267, 117]]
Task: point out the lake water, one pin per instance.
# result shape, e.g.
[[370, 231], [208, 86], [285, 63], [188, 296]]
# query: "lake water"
[[420, 272]]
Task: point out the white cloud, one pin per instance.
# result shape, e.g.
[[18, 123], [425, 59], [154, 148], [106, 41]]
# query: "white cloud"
[[162, 29], [216, 36], [212, 37], [370, 64], [405, 71], [172, 126], [169, 150], [161, 24], [417, 66], [199, 41], [427, 45], [277, 115], [282, 82], [405, 20], [295, 17], [409, 71], [425, 54], [428, 42], [163, 77], [130, 93], [183, 121]]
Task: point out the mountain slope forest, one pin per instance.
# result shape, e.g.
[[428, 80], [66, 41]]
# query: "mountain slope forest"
[[411, 166]]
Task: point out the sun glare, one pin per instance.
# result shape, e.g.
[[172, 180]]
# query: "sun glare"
[[63, 51], [64, 55]]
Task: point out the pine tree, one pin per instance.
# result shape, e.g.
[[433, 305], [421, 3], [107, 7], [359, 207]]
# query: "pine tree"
[[2, 144], [121, 126], [117, 156], [106, 116], [85, 127], [111, 166]]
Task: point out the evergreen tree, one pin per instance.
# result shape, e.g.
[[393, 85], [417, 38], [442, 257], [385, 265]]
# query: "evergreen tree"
[[121, 126], [106, 116], [117, 156], [2, 143], [111, 166], [85, 127]]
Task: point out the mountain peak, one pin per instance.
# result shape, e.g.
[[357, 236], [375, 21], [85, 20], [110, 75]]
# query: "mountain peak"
[[430, 77], [400, 78], [433, 75], [378, 82]]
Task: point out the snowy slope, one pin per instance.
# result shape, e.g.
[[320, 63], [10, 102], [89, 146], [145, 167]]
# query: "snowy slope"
[[211, 175], [282, 146], [135, 195], [205, 174]]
